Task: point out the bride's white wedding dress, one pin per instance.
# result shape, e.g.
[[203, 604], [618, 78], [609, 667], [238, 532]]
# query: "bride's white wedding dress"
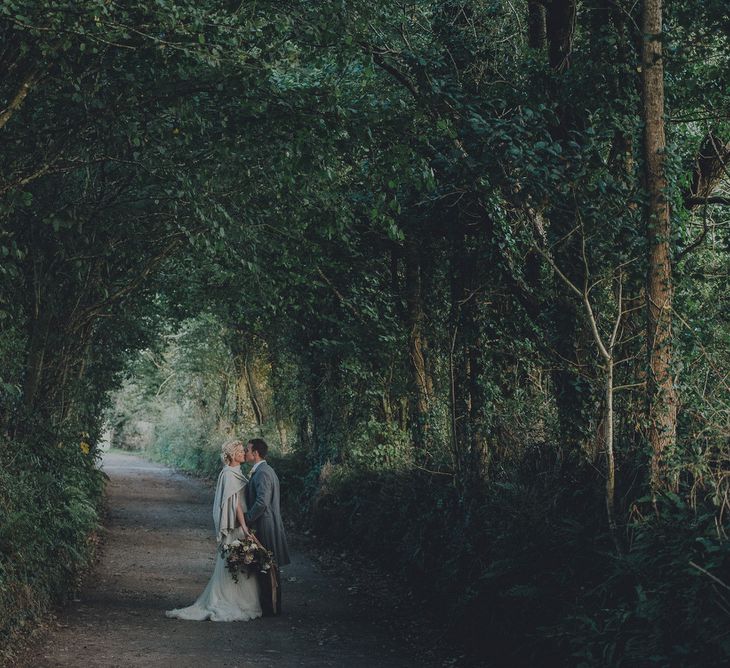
[[223, 599]]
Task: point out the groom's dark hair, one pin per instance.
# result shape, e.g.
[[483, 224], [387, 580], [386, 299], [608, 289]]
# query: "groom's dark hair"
[[259, 445]]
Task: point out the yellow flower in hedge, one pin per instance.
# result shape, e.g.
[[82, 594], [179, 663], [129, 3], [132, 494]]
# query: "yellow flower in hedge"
[[85, 447]]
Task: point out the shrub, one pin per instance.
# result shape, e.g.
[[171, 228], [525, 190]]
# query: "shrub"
[[50, 497], [525, 571]]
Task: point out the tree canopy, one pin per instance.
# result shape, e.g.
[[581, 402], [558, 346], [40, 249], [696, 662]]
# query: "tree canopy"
[[479, 242]]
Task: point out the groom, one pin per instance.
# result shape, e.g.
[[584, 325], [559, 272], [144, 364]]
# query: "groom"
[[264, 516]]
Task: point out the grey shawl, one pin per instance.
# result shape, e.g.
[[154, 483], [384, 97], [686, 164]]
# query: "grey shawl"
[[228, 494]]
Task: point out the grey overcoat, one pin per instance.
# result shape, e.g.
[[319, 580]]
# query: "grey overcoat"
[[264, 512]]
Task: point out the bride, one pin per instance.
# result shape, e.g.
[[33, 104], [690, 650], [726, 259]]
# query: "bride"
[[225, 600]]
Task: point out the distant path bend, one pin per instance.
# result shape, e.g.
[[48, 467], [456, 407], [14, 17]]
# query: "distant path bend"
[[158, 554]]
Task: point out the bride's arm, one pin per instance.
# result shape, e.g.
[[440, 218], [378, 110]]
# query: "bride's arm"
[[239, 516]]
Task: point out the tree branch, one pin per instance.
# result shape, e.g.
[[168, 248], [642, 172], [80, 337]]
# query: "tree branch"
[[698, 240], [19, 97], [340, 296], [393, 71], [690, 202], [95, 310]]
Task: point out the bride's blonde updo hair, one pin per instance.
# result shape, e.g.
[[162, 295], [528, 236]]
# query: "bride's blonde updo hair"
[[228, 450]]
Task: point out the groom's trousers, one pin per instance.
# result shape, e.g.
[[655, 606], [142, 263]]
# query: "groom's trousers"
[[270, 600]]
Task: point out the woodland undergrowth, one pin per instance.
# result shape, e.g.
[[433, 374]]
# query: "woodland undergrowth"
[[525, 570], [50, 501]]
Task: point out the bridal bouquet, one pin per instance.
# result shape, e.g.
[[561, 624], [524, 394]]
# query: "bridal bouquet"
[[248, 556]]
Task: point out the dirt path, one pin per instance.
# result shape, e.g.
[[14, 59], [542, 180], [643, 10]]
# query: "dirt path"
[[158, 554]]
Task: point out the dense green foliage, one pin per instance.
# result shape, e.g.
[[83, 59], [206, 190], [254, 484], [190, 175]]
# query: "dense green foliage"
[[49, 494], [525, 578], [353, 228]]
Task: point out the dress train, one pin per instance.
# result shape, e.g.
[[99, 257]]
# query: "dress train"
[[223, 599]]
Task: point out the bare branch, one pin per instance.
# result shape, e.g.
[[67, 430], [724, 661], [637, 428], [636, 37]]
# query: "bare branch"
[[583, 296], [562, 276], [619, 315], [629, 386], [702, 348], [698, 240], [393, 71], [709, 575], [340, 296], [19, 97]]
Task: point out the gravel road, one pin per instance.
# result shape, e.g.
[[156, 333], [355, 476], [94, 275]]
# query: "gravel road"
[[158, 554]]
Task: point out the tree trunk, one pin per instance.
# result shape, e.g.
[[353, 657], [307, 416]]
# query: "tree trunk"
[[253, 393], [467, 402], [536, 28], [243, 350], [317, 431], [38, 331], [35, 362], [479, 452], [560, 23], [417, 345], [610, 457], [281, 431], [241, 394], [573, 395], [662, 397]]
